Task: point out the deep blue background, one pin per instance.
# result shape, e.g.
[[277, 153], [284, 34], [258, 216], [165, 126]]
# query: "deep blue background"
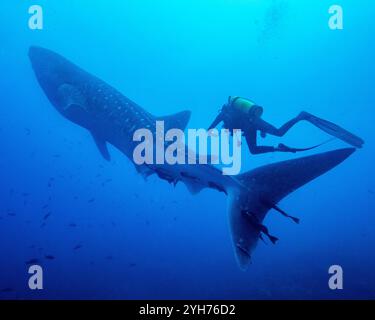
[[145, 239]]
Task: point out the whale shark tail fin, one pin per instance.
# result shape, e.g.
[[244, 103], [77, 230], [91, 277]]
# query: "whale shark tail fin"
[[176, 121], [265, 187]]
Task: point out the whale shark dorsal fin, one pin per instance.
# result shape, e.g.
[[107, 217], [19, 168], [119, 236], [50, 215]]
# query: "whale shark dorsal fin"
[[102, 146], [70, 96], [176, 121]]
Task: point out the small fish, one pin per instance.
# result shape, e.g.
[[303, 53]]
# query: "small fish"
[[43, 225], [45, 206], [72, 225], [47, 216], [28, 131], [91, 200], [132, 265], [109, 257], [32, 261], [107, 181], [25, 194], [77, 247], [11, 214], [49, 257]]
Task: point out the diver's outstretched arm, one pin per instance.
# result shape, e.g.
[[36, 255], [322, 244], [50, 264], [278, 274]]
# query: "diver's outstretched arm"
[[217, 120]]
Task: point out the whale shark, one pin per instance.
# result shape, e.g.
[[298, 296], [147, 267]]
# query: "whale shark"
[[112, 118]]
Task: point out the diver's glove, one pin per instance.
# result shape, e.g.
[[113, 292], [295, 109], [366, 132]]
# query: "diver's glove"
[[283, 148]]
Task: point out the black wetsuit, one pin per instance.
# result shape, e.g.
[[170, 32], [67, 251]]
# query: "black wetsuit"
[[250, 124], [259, 124]]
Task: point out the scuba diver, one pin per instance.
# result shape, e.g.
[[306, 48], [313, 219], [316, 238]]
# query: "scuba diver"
[[244, 114]]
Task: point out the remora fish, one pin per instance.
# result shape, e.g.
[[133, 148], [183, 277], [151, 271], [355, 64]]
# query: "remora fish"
[[113, 118]]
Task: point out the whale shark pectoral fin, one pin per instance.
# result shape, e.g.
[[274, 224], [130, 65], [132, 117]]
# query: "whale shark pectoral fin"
[[69, 96], [102, 146]]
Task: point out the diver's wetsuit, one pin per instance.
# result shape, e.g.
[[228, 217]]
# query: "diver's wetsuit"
[[264, 127], [250, 124], [240, 113]]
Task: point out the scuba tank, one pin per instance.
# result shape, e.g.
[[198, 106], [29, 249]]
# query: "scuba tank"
[[238, 113], [245, 106]]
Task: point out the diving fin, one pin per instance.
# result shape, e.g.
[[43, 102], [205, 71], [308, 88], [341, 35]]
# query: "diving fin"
[[282, 147], [102, 146], [335, 130]]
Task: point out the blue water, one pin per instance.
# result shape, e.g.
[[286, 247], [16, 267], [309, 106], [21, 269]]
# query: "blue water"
[[145, 239]]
